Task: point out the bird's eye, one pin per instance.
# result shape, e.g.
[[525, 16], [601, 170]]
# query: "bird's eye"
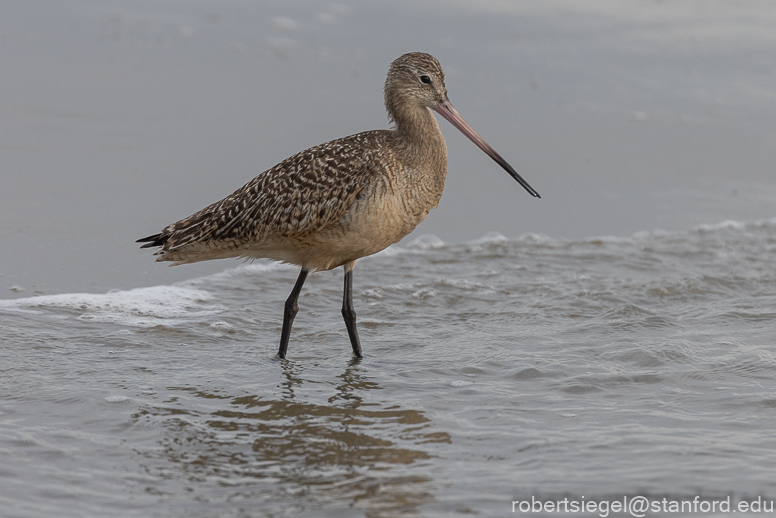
[[425, 79]]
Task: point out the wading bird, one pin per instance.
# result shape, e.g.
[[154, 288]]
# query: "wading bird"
[[336, 202]]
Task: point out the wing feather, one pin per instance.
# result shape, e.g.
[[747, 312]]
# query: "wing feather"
[[300, 196]]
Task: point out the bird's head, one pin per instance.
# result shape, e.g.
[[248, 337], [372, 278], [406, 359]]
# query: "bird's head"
[[417, 79]]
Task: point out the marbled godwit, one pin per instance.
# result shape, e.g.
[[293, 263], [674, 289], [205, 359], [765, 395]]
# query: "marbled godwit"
[[337, 202]]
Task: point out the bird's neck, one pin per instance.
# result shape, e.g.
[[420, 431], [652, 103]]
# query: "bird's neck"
[[418, 132]]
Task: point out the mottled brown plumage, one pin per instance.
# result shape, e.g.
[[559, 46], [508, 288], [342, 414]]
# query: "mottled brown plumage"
[[336, 202]]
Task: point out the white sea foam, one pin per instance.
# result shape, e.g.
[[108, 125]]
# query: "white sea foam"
[[722, 225], [490, 238], [645, 235], [244, 270], [425, 293], [735, 225], [222, 326], [426, 242], [530, 237], [141, 307], [376, 293], [648, 235]]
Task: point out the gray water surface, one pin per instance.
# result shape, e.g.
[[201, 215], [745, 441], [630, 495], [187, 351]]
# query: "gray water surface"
[[509, 352], [494, 370]]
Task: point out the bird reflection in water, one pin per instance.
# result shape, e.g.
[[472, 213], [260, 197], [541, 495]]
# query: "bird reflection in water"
[[348, 449]]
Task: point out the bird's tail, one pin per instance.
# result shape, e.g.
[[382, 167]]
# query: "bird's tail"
[[154, 240]]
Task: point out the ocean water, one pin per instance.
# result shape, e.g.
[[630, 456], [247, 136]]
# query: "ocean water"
[[550, 366], [495, 370]]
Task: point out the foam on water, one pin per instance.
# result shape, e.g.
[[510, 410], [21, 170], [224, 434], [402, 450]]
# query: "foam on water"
[[251, 269], [140, 307], [490, 238], [735, 225], [426, 242]]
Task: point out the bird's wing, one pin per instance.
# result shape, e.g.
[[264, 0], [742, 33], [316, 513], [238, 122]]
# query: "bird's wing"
[[301, 195]]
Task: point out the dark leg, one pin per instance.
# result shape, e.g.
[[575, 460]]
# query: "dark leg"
[[348, 313], [289, 313]]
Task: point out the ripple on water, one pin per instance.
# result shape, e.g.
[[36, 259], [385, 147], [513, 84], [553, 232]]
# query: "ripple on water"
[[266, 446], [491, 367]]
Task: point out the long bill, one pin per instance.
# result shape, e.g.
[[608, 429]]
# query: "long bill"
[[446, 110]]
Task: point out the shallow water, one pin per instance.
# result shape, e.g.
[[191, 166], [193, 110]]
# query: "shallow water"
[[495, 370], [543, 364]]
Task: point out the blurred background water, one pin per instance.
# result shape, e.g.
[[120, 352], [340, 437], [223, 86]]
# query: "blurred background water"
[[615, 337]]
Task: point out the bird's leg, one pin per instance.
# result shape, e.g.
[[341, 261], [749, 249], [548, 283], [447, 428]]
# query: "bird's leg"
[[348, 313], [289, 313]]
